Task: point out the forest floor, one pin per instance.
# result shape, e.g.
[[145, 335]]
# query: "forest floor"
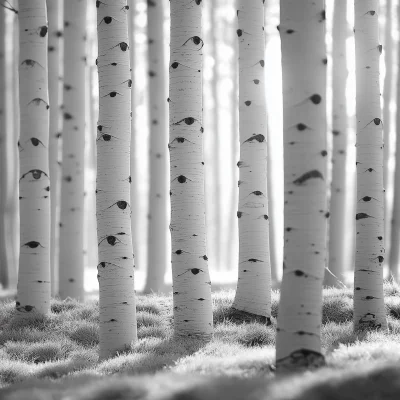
[[55, 357]]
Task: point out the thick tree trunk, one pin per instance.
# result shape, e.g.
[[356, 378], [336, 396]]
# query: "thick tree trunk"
[[191, 280], [54, 9], [337, 222], [302, 31], [71, 267], [157, 258], [253, 293], [369, 308], [34, 183], [116, 266]]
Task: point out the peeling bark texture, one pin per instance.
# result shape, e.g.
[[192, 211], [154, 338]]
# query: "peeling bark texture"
[[157, 258], [387, 151], [369, 307], [33, 293], [54, 12], [71, 264], [4, 264], [116, 266], [191, 280], [302, 31], [253, 293], [394, 253], [337, 223]]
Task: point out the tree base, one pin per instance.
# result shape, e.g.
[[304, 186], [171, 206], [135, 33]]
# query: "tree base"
[[298, 360]]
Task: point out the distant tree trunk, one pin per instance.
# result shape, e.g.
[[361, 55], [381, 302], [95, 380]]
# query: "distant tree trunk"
[[394, 254], [133, 161], [157, 217], [387, 126], [34, 183], [369, 307], [253, 293], [302, 30], [4, 264], [55, 71], [337, 221], [191, 280], [116, 266], [71, 267]]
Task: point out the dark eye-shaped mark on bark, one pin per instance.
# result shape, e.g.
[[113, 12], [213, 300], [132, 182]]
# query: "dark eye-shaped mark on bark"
[[366, 199], [107, 20], [35, 142], [376, 121], [259, 138], [194, 271], [308, 175], [31, 63], [371, 12], [32, 245], [111, 239], [68, 116], [36, 174], [121, 204], [187, 121], [178, 140], [106, 137], [196, 40], [176, 64], [181, 179], [363, 216], [43, 31], [112, 94], [37, 101]]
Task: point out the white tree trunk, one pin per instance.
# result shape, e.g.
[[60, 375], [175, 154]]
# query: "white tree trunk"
[[54, 9], [369, 308], [191, 280], [71, 266], [302, 30], [116, 267], [337, 221], [253, 292], [34, 183], [157, 258]]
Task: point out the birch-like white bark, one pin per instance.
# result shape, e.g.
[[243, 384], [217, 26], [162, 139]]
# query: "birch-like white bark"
[[54, 12], [157, 258], [253, 293], [337, 223], [73, 150], [369, 307], [33, 293], [191, 280], [302, 30], [116, 267]]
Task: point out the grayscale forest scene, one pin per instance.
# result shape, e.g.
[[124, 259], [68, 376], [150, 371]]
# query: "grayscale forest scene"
[[199, 200]]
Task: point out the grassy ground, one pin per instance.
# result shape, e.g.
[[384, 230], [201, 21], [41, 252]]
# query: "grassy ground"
[[57, 355]]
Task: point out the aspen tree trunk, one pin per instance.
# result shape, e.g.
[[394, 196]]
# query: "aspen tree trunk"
[[387, 96], [253, 293], [369, 307], [4, 264], [394, 254], [302, 30], [34, 183], [71, 266], [54, 9], [133, 161], [337, 222], [116, 267], [157, 217], [191, 280]]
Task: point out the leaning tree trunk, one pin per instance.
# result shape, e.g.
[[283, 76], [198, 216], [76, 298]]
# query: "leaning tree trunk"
[[253, 293], [337, 223], [55, 71], [71, 266], [302, 31], [116, 267], [369, 307], [191, 280], [4, 265], [157, 217], [34, 183]]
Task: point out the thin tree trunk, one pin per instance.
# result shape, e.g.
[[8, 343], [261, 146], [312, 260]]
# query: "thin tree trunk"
[[191, 280], [71, 266], [302, 30], [4, 188], [337, 222], [116, 266], [387, 96], [34, 183], [253, 293], [157, 216], [55, 71], [369, 307]]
